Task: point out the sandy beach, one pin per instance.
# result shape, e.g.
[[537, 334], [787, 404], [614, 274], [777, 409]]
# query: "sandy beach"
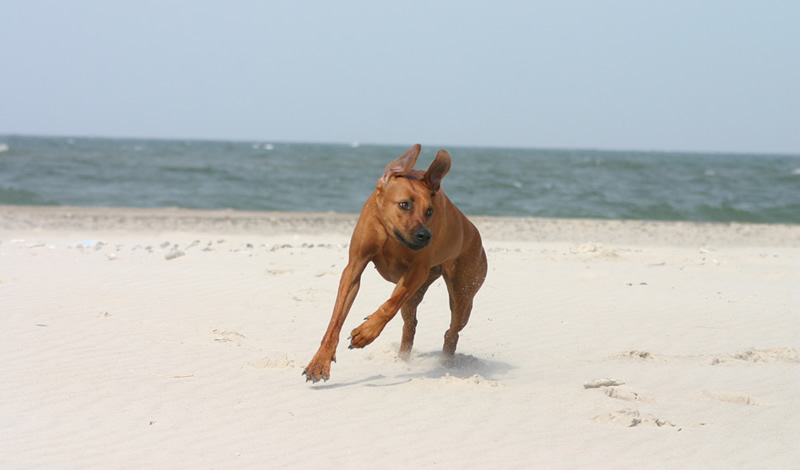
[[144, 338]]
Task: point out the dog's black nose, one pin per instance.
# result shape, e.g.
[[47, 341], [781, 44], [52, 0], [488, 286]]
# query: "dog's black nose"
[[422, 236]]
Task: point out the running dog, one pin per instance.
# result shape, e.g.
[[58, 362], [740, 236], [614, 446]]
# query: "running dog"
[[413, 234]]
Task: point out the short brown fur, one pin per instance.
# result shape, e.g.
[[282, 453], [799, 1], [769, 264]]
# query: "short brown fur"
[[413, 234]]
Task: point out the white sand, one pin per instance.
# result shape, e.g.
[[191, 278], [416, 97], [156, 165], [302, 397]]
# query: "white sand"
[[176, 339]]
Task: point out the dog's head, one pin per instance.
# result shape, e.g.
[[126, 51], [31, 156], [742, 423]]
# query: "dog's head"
[[407, 197]]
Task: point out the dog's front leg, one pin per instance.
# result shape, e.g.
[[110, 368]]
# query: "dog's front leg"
[[320, 366], [407, 286]]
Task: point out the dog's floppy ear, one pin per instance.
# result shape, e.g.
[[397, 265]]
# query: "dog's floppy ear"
[[402, 165], [435, 174]]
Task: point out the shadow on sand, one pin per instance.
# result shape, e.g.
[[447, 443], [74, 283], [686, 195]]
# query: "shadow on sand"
[[433, 365]]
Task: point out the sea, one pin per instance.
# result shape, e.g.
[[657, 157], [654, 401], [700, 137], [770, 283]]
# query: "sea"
[[338, 177]]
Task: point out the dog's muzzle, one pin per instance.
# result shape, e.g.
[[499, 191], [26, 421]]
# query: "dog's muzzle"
[[422, 236]]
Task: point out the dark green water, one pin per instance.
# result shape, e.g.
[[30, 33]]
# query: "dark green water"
[[338, 178]]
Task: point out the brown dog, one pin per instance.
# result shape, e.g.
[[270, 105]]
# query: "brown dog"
[[412, 234]]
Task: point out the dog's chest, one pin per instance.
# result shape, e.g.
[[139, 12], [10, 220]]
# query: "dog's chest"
[[391, 269]]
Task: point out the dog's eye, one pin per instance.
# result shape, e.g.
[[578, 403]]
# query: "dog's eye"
[[405, 205], [429, 212]]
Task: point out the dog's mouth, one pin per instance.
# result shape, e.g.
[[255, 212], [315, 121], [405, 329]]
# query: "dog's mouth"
[[414, 246]]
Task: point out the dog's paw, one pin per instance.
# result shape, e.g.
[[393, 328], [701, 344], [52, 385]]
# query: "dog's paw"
[[315, 375], [366, 332], [318, 369]]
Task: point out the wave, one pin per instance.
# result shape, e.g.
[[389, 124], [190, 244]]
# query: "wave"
[[22, 197]]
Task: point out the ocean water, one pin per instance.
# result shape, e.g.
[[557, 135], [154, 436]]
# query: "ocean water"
[[337, 178]]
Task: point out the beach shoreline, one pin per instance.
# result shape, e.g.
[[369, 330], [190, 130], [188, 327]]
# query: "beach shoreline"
[[150, 338], [530, 229]]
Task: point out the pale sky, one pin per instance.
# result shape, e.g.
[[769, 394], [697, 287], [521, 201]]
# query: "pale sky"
[[645, 75]]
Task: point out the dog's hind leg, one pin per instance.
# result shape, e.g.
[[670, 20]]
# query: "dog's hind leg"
[[409, 312], [464, 279]]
